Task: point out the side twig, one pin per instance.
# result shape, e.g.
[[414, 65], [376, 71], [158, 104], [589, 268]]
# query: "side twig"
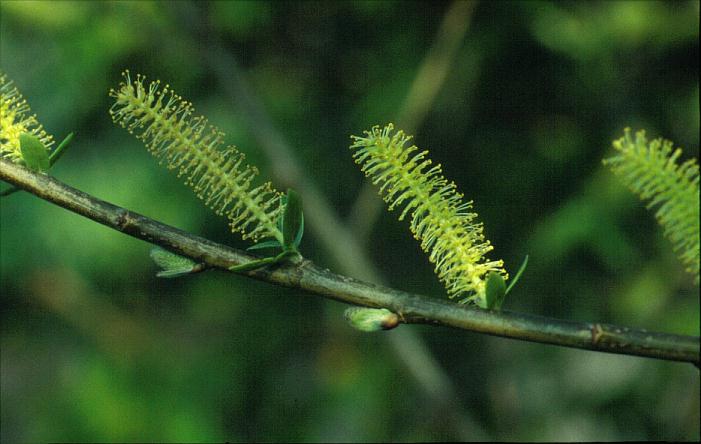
[[412, 308]]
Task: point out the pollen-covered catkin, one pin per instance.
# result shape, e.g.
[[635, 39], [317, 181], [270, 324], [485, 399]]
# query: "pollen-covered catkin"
[[16, 120], [440, 219], [218, 175]]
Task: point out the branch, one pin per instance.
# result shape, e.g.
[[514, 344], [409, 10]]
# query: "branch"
[[412, 308]]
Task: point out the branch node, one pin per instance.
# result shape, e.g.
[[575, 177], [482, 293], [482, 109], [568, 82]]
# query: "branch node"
[[122, 219], [597, 332]]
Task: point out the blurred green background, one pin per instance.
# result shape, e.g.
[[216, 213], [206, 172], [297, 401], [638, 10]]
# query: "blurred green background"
[[528, 97]]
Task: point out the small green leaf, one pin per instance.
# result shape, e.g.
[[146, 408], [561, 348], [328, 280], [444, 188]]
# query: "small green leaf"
[[266, 244], [520, 271], [371, 319], [292, 220], [173, 265], [34, 153], [495, 291]]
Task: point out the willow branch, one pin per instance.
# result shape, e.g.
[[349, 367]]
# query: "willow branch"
[[412, 308]]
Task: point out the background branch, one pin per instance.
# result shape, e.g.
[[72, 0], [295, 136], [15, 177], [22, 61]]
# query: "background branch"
[[343, 242], [413, 309], [427, 83]]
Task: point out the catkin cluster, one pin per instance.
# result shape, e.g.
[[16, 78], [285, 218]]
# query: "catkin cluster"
[[650, 170], [15, 120], [220, 176], [440, 219]]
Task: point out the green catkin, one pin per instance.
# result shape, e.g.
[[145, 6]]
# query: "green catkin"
[[15, 120], [440, 219], [220, 177], [650, 170]]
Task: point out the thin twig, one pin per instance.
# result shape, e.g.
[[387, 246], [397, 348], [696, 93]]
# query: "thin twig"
[[412, 308]]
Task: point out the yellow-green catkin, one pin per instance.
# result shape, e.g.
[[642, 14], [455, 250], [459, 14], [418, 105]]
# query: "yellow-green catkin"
[[16, 120], [218, 174], [651, 170], [440, 219]]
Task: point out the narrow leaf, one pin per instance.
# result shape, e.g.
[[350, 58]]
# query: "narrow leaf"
[[252, 265], [520, 271], [266, 244], [300, 233], [284, 256], [60, 149]]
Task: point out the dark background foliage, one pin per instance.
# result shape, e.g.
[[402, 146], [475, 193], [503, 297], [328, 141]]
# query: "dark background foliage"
[[95, 348]]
